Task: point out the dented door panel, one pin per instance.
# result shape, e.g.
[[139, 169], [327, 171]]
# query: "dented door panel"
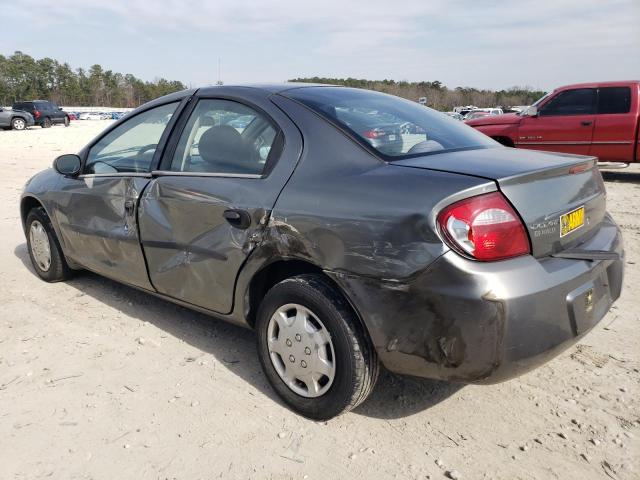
[[192, 252], [97, 221]]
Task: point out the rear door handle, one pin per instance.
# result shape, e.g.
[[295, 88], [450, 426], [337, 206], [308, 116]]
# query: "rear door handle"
[[586, 123], [237, 218]]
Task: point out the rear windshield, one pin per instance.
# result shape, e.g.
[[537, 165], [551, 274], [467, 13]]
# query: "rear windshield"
[[396, 128]]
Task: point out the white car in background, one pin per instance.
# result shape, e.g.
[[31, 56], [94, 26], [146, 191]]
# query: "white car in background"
[[90, 116], [490, 111]]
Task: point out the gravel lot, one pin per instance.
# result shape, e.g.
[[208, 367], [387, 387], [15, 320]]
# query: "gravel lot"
[[101, 381]]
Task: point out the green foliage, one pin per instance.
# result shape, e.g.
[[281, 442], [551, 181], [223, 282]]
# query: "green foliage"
[[438, 95], [24, 78]]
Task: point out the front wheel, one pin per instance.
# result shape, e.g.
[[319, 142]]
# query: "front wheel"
[[44, 249], [18, 124], [312, 348], [66, 121]]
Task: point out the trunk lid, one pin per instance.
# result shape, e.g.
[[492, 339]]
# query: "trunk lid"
[[560, 197]]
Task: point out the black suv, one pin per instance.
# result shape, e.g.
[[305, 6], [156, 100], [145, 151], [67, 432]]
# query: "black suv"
[[45, 113]]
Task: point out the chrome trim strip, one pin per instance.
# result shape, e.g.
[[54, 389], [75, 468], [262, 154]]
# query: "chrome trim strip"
[[554, 143], [167, 173], [121, 174], [569, 142]]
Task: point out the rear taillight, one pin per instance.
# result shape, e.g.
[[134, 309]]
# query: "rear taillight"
[[485, 228], [375, 133], [36, 114]]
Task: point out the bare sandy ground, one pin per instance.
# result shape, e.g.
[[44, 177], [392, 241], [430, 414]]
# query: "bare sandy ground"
[[100, 381]]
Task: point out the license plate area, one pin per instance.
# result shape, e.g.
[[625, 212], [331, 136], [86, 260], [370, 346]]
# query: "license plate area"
[[588, 303], [571, 221]]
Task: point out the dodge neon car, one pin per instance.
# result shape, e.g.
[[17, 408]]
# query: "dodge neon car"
[[430, 249]]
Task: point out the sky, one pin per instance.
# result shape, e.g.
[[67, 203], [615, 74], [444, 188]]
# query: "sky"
[[478, 43]]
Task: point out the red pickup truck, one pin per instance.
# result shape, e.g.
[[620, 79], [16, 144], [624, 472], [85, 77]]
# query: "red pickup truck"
[[599, 119]]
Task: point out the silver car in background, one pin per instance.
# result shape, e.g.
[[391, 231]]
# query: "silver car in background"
[[15, 119]]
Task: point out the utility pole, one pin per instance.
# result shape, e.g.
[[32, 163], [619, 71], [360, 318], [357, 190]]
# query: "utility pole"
[[219, 82]]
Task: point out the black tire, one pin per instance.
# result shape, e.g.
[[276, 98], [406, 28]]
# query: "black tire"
[[18, 123], [58, 270], [356, 363], [46, 123], [66, 121]]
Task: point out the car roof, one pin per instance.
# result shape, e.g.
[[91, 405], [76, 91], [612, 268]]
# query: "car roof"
[[284, 86], [269, 87]]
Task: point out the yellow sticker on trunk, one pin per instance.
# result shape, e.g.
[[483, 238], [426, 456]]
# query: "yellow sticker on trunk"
[[571, 221]]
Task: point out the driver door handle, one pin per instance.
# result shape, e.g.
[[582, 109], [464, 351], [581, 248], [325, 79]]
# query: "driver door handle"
[[237, 218], [586, 123]]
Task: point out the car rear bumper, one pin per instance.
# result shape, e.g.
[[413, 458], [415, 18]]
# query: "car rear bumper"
[[480, 322]]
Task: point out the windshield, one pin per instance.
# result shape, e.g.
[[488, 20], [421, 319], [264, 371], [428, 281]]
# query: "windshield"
[[396, 128]]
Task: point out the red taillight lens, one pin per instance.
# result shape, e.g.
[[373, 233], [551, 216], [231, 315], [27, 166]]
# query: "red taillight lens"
[[36, 114], [375, 133], [484, 227]]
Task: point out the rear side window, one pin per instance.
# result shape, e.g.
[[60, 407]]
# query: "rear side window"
[[614, 100], [396, 128], [580, 101], [222, 136]]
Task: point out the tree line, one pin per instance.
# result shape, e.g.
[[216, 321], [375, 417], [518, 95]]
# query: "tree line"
[[438, 95], [24, 78]]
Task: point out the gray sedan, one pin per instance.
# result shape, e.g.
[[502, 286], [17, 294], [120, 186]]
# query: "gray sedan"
[[346, 245], [15, 119]]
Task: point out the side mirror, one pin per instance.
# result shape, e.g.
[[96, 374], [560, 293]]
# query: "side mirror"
[[68, 165], [60, 108], [531, 111]]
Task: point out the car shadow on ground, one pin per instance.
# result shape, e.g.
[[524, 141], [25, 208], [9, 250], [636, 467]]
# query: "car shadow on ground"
[[621, 176], [393, 397]]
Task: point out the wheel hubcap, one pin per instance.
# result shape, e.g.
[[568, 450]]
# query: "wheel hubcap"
[[40, 248], [301, 350], [18, 124]]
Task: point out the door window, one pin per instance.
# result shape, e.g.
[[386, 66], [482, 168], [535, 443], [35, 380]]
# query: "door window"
[[580, 101], [614, 100], [130, 147], [222, 136]]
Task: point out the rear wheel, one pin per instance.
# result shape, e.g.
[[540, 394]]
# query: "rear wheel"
[[46, 123], [44, 249], [18, 124], [312, 348]]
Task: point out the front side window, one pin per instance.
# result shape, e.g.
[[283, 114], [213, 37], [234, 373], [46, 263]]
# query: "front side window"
[[130, 147], [222, 136], [394, 127], [614, 100], [580, 101]]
